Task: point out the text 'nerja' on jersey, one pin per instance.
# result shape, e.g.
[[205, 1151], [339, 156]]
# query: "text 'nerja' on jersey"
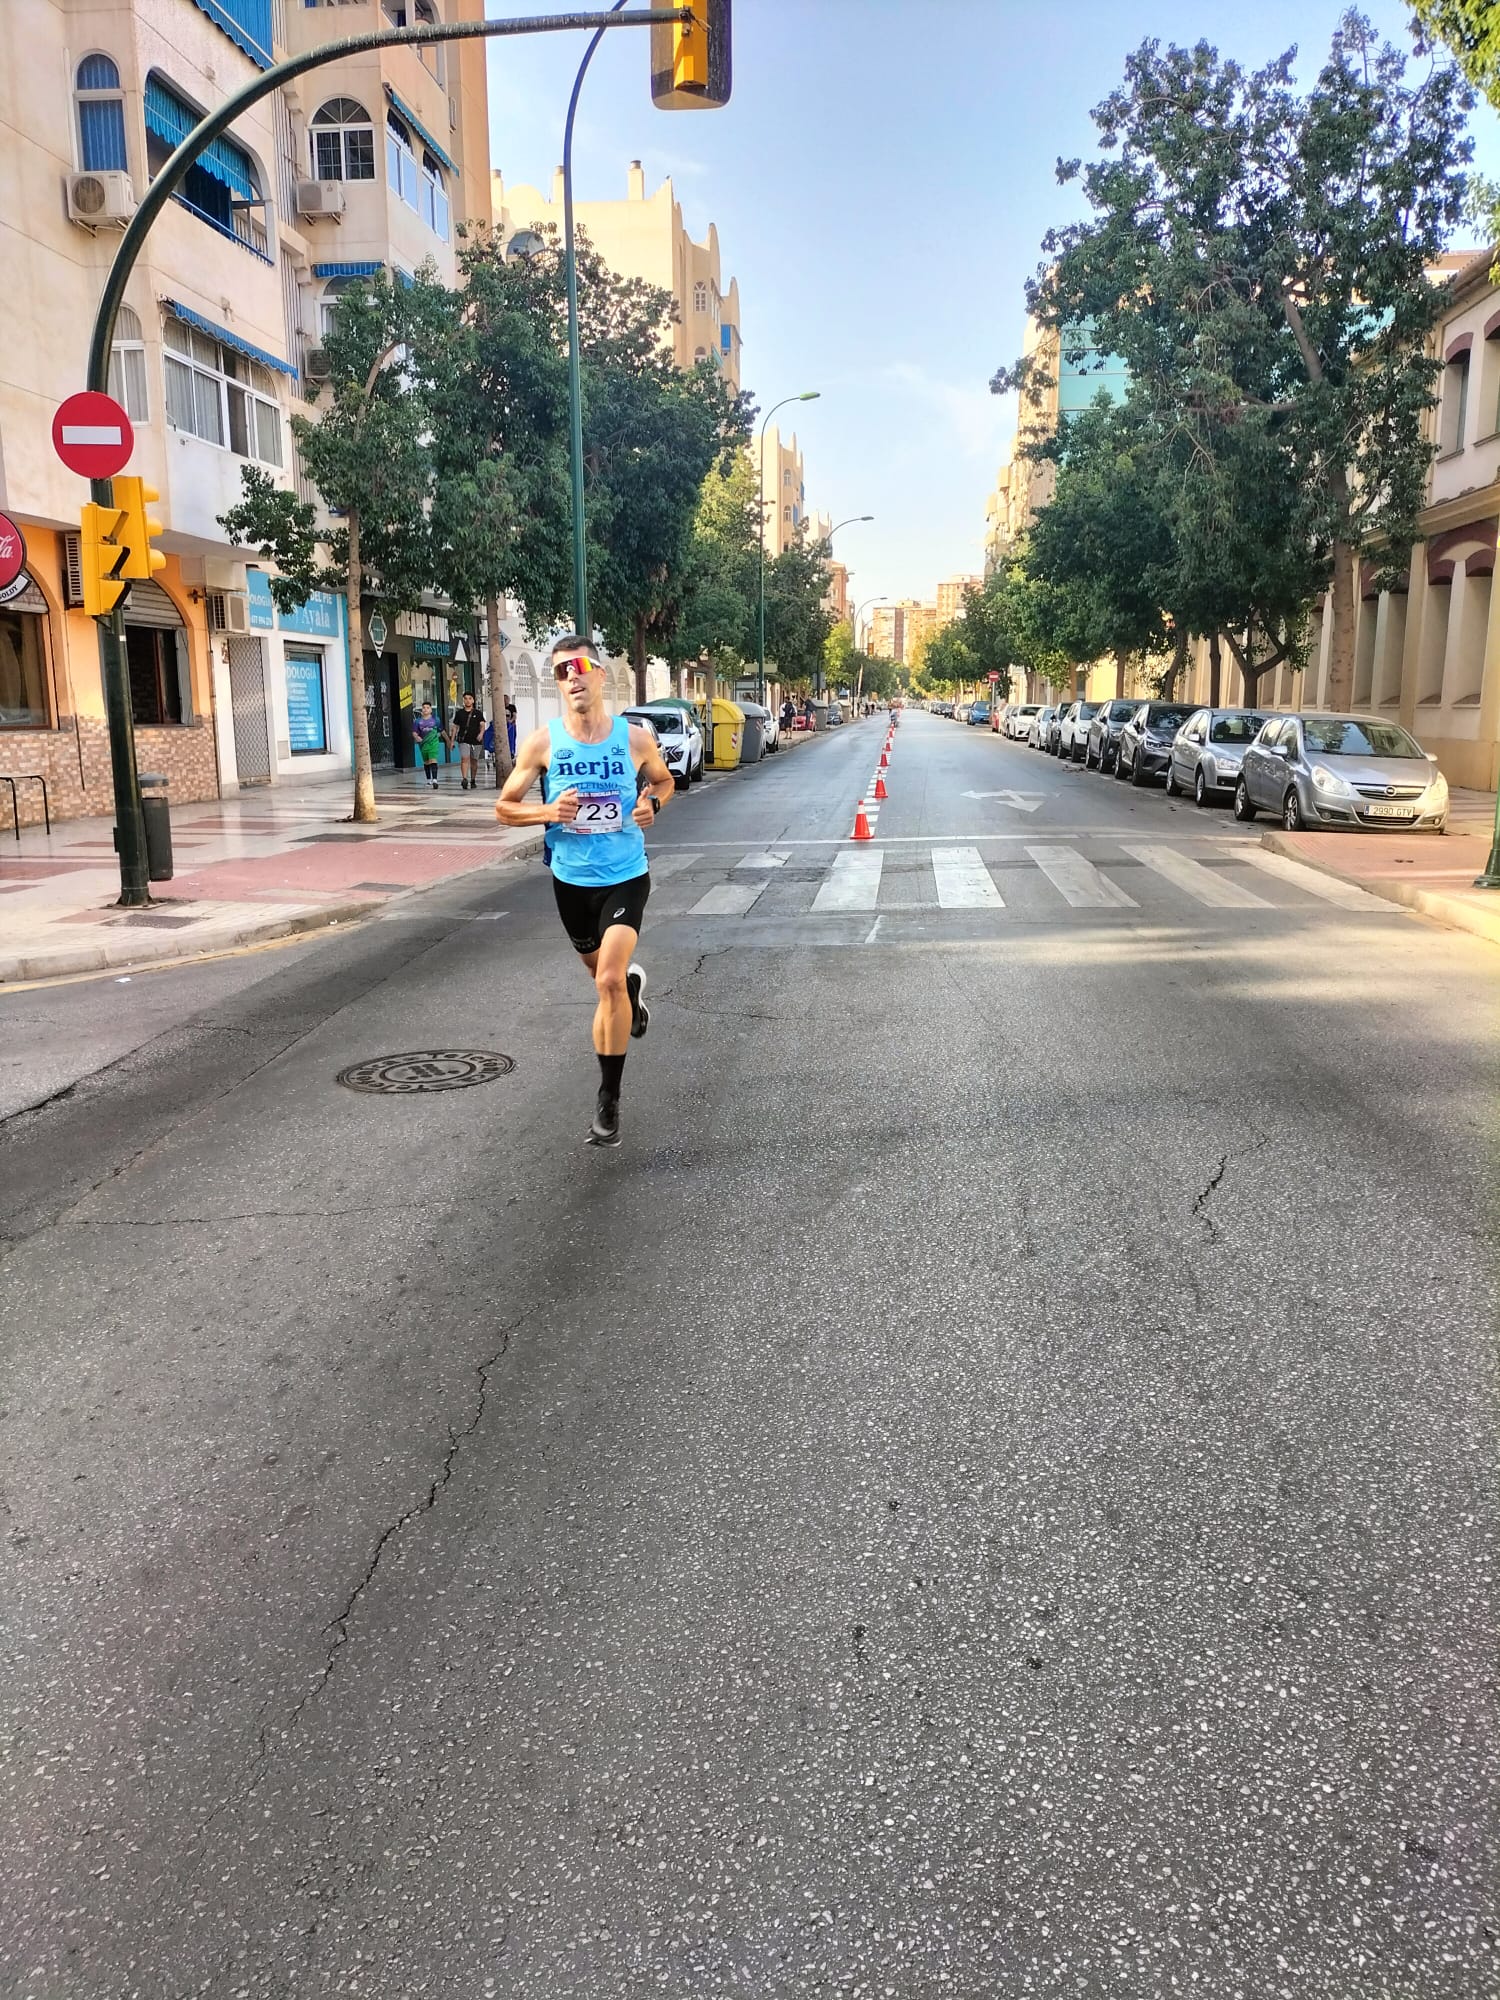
[[604, 844]]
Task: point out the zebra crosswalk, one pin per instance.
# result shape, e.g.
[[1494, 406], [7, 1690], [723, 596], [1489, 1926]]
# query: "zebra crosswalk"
[[1019, 881]]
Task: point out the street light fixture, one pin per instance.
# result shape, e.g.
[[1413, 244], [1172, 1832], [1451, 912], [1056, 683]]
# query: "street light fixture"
[[807, 396]]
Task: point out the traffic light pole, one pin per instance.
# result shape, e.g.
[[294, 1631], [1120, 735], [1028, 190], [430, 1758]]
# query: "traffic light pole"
[[130, 832]]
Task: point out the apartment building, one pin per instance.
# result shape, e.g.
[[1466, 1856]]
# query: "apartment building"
[[950, 597], [356, 167], [644, 236]]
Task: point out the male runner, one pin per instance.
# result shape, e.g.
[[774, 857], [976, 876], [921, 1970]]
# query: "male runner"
[[603, 782]]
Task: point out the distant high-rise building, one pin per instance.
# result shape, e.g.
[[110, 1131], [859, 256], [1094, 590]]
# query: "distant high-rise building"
[[950, 597]]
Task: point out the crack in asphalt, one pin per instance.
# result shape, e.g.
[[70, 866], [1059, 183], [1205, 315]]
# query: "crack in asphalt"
[[338, 1626], [1210, 1187]]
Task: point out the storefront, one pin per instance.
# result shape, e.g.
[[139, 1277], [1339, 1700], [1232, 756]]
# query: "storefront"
[[423, 658], [306, 682]]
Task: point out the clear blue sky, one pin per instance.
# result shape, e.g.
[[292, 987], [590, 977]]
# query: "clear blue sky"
[[881, 183]]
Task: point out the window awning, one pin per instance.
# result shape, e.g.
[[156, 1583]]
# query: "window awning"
[[347, 270], [404, 111], [247, 24], [170, 118], [230, 339]]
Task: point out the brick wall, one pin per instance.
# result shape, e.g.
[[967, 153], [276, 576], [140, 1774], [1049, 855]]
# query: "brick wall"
[[74, 759]]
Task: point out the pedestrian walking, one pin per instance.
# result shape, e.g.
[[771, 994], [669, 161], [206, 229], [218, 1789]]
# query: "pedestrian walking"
[[510, 728], [603, 782], [428, 732], [468, 733]]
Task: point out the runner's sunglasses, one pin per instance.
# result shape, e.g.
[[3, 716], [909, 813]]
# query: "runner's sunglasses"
[[573, 666]]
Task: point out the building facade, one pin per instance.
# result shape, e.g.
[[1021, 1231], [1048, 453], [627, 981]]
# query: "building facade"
[[327, 180], [644, 236], [950, 597]]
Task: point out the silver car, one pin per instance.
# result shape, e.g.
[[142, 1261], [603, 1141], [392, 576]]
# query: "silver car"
[[1072, 736], [1041, 722], [1207, 750], [1353, 771]]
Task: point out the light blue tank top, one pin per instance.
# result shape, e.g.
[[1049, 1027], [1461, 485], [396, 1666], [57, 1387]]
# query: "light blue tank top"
[[603, 845]]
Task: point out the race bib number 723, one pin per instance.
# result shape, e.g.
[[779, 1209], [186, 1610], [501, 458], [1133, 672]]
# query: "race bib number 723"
[[598, 813]]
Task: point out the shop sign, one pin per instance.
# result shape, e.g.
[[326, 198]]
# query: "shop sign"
[[12, 554], [430, 649], [317, 619], [375, 631]]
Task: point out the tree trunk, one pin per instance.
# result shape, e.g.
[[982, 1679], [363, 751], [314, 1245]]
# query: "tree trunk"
[[499, 691], [359, 721], [1215, 670], [1179, 661], [1340, 689], [638, 651], [1120, 663]]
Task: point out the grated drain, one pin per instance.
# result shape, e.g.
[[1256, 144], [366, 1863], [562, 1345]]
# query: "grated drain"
[[425, 1069]]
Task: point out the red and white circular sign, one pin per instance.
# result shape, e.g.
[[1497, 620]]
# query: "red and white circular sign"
[[91, 434], [12, 551]]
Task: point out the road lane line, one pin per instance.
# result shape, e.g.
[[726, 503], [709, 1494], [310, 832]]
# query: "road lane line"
[[1079, 881], [963, 881], [662, 865], [853, 883], [1217, 892], [729, 899], [1329, 887]]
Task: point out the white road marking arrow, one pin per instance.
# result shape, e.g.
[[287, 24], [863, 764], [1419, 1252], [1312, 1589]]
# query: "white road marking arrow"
[[1026, 802]]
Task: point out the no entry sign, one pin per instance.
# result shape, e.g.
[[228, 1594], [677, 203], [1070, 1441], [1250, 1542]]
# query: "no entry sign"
[[91, 434], [12, 551]]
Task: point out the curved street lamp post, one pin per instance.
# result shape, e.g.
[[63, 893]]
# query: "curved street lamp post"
[[807, 396]]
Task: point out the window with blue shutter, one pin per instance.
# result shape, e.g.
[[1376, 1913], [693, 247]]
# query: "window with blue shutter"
[[101, 116], [222, 187]]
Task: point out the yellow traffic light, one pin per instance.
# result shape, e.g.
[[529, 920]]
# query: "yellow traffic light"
[[103, 552], [133, 496], [690, 60]]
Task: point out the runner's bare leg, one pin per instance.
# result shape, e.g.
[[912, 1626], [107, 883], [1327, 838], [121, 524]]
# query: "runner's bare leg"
[[607, 967]]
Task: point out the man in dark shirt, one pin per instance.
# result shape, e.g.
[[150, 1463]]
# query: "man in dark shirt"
[[468, 734]]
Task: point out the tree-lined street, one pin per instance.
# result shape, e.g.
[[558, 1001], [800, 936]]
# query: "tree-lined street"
[[1053, 1553]]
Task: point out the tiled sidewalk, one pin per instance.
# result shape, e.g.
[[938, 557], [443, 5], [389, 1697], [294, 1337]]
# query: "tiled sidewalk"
[[1421, 871], [258, 866]]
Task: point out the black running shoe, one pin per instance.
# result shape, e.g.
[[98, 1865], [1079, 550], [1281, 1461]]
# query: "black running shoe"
[[605, 1130], [640, 1013]]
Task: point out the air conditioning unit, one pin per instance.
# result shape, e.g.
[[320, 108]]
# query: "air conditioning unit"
[[315, 198], [100, 201], [229, 612], [317, 365]]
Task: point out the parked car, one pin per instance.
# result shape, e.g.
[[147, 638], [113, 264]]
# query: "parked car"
[[680, 738], [1074, 739], [835, 715], [978, 716], [1018, 719], [1354, 771], [1102, 744], [1146, 739], [1206, 751], [1055, 727], [1041, 722]]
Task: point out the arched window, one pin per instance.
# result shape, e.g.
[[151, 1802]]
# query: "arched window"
[[700, 354], [333, 291], [127, 366], [343, 142], [700, 297], [101, 116]]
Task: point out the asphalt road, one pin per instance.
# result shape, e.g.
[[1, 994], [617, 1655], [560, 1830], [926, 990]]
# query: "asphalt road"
[[989, 1490]]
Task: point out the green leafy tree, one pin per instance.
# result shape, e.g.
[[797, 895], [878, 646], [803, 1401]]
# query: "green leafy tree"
[[717, 605], [369, 454], [798, 621], [1258, 256], [1470, 31]]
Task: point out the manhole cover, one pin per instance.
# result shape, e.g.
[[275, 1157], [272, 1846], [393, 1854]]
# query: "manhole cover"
[[425, 1069]]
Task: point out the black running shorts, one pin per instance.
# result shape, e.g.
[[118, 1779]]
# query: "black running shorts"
[[588, 913]]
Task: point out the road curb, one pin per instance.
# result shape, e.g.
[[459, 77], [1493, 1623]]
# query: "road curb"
[[1451, 910], [131, 951]]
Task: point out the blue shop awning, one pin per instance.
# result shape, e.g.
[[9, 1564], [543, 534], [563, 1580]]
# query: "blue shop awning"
[[247, 24], [171, 118], [230, 339], [404, 112], [347, 270]]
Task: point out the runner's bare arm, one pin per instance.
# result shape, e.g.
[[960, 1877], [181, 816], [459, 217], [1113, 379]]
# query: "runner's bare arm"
[[660, 784], [512, 807]]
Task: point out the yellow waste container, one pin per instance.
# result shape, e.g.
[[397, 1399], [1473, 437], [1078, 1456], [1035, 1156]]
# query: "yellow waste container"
[[729, 734]]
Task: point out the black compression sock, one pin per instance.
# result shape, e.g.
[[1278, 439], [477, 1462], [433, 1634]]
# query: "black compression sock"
[[611, 1069]]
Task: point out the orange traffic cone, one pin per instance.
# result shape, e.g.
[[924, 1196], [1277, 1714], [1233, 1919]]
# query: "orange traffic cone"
[[880, 790], [861, 824], [885, 760]]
